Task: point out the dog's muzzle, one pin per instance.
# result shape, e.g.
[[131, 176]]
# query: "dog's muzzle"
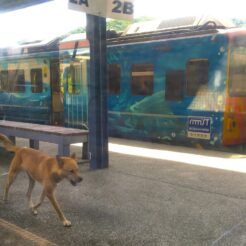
[[75, 181]]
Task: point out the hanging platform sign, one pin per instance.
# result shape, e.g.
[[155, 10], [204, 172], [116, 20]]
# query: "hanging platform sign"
[[115, 9]]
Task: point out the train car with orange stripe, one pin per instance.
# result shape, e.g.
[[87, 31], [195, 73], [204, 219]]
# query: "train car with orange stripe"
[[180, 83], [180, 87], [234, 122]]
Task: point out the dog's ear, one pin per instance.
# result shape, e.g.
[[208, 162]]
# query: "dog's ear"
[[73, 156], [59, 161]]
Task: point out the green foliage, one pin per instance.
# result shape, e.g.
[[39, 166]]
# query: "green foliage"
[[143, 18], [117, 25], [78, 30]]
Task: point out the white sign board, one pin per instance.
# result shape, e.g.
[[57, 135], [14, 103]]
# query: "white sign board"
[[115, 9]]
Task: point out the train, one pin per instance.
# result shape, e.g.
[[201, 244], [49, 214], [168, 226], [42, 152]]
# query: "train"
[[183, 82]]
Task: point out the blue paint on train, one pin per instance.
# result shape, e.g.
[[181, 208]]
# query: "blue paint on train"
[[153, 117], [169, 106], [26, 106], [20, 98]]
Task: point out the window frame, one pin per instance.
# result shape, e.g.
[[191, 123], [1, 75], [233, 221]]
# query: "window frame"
[[38, 86], [238, 43], [199, 79], [113, 78], [15, 80], [174, 78], [142, 79], [72, 87]]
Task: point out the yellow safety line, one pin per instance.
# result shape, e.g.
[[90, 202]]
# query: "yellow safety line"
[[25, 234]]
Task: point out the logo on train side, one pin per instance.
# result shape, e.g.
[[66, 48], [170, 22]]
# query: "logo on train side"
[[115, 9], [199, 127]]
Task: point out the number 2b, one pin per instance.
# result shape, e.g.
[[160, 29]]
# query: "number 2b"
[[122, 7]]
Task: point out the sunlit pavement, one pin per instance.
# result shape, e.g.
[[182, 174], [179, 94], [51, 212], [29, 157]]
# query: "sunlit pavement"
[[193, 157], [151, 194]]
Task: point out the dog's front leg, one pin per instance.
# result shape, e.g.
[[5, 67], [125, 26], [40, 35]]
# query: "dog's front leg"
[[62, 217], [41, 199]]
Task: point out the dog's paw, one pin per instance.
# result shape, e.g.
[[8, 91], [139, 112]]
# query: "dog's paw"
[[34, 211], [67, 223], [5, 197]]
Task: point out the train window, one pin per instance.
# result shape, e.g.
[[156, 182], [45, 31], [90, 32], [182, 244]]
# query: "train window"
[[237, 78], [13, 80], [4, 81], [196, 76], [16, 80], [114, 79], [36, 80], [54, 75], [142, 79], [175, 85], [74, 78]]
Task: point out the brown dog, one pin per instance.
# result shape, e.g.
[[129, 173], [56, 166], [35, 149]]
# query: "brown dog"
[[42, 168]]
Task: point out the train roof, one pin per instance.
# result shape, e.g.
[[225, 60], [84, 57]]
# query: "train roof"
[[74, 37], [32, 46], [74, 40], [174, 28], [177, 23], [137, 32]]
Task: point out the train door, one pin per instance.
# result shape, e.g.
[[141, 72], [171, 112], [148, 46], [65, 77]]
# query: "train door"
[[56, 93], [235, 110], [75, 94]]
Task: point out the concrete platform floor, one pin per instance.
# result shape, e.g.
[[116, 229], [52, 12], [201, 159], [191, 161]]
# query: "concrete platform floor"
[[151, 194]]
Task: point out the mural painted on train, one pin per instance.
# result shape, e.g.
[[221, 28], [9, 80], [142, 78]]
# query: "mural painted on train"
[[179, 86]]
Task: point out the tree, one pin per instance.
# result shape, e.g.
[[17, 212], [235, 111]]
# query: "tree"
[[116, 25], [78, 30]]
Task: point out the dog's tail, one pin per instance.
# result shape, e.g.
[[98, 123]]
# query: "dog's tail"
[[7, 144]]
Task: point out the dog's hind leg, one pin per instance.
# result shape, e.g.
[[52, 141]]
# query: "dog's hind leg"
[[13, 171], [29, 191]]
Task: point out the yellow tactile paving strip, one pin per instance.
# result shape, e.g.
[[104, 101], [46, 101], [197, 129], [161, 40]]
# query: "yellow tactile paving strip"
[[25, 234]]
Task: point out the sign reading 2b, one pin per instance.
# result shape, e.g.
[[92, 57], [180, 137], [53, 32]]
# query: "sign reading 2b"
[[115, 9], [120, 7]]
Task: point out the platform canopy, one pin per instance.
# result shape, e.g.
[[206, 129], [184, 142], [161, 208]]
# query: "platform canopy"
[[10, 5]]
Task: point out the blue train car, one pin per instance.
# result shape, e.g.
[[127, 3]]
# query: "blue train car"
[[179, 87], [29, 83], [182, 85], [168, 87], [74, 66]]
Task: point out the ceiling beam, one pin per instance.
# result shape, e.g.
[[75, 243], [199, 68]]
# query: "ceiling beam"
[[11, 5]]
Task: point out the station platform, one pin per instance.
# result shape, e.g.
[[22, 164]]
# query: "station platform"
[[151, 194]]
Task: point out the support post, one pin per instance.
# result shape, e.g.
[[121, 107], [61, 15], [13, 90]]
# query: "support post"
[[34, 144], [97, 109]]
